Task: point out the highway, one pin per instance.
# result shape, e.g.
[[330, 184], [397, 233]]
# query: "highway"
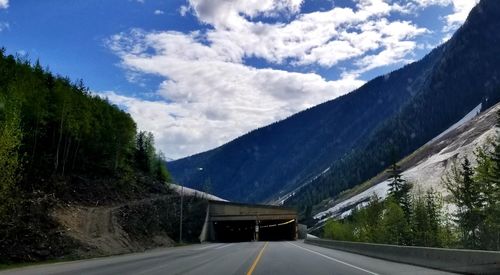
[[231, 258]]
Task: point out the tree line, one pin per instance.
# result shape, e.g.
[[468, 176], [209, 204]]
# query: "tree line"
[[52, 128], [419, 218], [60, 142]]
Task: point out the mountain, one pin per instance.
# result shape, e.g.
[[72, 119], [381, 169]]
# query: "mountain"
[[324, 150], [426, 167]]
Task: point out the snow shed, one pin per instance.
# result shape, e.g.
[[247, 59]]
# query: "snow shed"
[[237, 222]]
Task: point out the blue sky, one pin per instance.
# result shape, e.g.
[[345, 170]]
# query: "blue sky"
[[198, 73]]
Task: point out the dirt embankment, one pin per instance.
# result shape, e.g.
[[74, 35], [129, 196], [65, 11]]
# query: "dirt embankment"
[[129, 227]]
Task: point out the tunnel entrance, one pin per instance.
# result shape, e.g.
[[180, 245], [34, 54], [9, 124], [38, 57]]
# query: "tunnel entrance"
[[234, 231], [277, 230], [236, 222]]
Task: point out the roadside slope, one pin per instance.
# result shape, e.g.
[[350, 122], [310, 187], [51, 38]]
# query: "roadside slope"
[[129, 227]]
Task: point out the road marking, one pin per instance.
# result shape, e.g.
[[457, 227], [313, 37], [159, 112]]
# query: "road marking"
[[250, 271], [226, 245], [208, 246], [333, 259]]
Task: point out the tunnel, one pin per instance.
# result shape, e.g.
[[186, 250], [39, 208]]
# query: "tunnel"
[[277, 230], [238, 222], [234, 231], [245, 231]]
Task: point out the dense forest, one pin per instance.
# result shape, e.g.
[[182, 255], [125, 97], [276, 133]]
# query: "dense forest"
[[413, 218], [61, 144]]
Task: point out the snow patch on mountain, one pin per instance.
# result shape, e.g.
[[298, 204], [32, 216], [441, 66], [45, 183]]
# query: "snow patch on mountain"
[[460, 140]]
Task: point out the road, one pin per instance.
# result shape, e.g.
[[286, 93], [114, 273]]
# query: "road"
[[251, 258]]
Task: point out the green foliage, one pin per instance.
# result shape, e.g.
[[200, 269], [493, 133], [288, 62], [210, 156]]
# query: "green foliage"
[[386, 222], [476, 192], [338, 230], [426, 222], [394, 224], [61, 134], [399, 190], [10, 158], [58, 142], [467, 194], [148, 160]]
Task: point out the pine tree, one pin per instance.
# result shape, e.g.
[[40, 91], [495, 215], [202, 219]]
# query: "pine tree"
[[396, 182], [400, 189], [468, 196], [433, 209], [491, 179], [420, 223]]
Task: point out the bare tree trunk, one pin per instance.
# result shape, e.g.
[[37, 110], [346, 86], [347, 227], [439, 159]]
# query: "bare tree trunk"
[[56, 163], [67, 148], [35, 141], [76, 154]]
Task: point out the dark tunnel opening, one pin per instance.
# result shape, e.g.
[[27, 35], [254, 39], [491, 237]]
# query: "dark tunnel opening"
[[245, 231], [234, 231], [277, 230]]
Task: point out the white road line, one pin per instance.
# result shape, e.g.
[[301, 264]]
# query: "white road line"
[[333, 259], [220, 247], [208, 246]]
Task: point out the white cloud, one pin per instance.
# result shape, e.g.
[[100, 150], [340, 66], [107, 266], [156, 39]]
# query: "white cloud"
[[183, 10], [314, 38], [4, 4], [228, 14], [211, 96], [461, 9], [158, 12], [212, 100]]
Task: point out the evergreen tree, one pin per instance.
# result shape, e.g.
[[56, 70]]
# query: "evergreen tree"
[[468, 196], [433, 208], [400, 189], [420, 223], [161, 172], [396, 181], [489, 167]]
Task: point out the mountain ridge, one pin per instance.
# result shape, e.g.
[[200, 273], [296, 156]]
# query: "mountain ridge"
[[354, 130]]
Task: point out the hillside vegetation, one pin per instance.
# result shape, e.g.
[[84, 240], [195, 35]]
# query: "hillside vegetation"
[[61, 144], [413, 218]]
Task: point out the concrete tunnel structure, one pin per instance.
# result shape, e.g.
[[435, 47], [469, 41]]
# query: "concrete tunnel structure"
[[238, 222]]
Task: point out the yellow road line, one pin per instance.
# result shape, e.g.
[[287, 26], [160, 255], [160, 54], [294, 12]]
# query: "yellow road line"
[[250, 271]]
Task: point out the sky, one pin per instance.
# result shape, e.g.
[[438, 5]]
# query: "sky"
[[199, 73]]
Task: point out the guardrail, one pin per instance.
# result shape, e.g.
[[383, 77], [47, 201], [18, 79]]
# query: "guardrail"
[[453, 260]]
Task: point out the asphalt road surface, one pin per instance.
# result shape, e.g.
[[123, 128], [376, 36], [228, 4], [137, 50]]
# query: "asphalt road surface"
[[234, 258]]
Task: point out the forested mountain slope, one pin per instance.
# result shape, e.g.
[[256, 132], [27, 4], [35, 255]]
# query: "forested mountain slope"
[[61, 145], [357, 135]]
